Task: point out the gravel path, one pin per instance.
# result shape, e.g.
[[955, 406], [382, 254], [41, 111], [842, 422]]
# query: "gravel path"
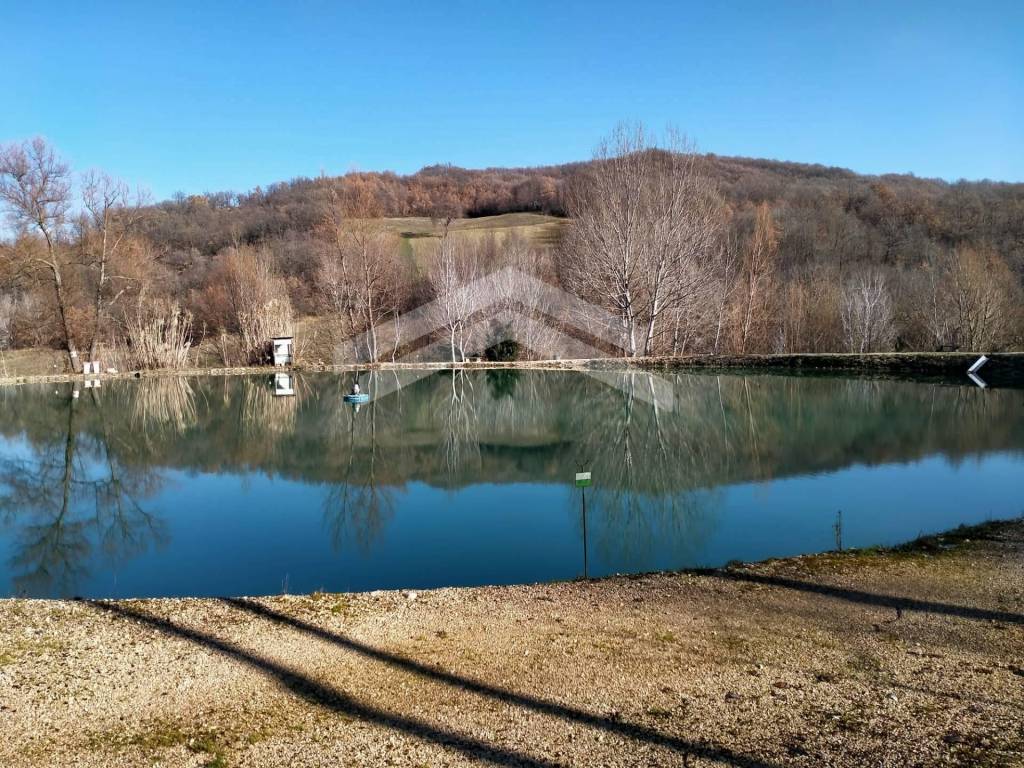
[[884, 659]]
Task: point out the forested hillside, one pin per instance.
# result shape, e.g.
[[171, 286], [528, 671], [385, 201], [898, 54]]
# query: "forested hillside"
[[791, 248]]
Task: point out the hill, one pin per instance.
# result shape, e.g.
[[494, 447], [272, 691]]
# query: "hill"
[[934, 246]]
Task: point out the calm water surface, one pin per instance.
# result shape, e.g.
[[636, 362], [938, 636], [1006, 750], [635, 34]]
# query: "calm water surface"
[[219, 486]]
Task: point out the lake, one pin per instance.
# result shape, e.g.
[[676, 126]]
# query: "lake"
[[255, 485]]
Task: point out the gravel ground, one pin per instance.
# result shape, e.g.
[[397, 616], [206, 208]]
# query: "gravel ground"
[[868, 658]]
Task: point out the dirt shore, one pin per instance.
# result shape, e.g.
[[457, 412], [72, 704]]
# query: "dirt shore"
[[912, 657]]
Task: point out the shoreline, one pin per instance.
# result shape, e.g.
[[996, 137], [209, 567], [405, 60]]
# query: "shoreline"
[[928, 544], [905, 655], [1004, 368]]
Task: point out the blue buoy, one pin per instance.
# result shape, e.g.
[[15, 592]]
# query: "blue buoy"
[[362, 397]]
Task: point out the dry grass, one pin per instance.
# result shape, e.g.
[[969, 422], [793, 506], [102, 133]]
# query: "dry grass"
[[419, 234]]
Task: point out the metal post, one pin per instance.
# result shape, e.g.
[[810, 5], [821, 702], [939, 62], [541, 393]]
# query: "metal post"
[[586, 574]]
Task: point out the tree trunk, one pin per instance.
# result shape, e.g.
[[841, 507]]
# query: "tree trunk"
[[58, 286], [97, 310]]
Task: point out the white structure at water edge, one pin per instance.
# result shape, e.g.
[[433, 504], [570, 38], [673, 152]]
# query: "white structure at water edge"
[[283, 347], [283, 385]]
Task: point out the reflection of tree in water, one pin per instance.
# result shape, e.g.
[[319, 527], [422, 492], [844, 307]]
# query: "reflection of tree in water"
[[460, 436], [653, 467], [357, 508], [37, 497], [641, 500], [124, 527], [71, 495], [502, 382]]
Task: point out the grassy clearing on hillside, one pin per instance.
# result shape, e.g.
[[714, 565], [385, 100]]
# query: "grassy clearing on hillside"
[[419, 234]]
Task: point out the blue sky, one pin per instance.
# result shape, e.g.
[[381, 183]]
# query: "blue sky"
[[228, 95]]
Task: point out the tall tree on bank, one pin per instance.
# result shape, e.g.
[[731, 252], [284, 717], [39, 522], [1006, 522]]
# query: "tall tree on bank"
[[35, 187], [758, 279], [868, 313], [110, 218], [643, 239], [453, 275], [360, 281]]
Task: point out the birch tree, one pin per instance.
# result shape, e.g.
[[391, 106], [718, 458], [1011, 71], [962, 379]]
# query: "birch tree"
[[452, 275], [35, 188], [868, 314], [643, 238]]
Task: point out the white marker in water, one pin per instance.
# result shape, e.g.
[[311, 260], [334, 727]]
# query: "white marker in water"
[[972, 372]]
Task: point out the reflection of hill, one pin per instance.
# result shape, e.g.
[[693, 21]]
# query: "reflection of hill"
[[76, 483], [452, 430]]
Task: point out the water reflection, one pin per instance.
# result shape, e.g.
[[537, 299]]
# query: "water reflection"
[[84, 489], [73, 497], [356, 509]]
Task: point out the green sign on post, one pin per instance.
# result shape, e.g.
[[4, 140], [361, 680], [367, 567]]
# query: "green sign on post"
[[582, 479]]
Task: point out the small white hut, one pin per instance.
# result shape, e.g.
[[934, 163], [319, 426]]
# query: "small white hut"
[[283, 347]]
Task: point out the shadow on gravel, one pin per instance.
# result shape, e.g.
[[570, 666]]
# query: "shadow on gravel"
[[964, 698], [338, 701], [870, 598]]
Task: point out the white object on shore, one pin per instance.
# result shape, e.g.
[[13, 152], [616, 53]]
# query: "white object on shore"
[[283, 348], [977, 380], [977, 364]]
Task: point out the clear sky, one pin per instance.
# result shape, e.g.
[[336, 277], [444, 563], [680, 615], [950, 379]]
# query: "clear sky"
[[206, 96]]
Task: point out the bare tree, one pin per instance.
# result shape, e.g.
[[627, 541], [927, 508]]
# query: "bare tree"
[[645, 223], [35, 187], [758, 284], [111, 217], [725, 286], [810, 311], [868, 314], [680, 257], [984, 298], [360, 279], [258, 299], [452, 274]]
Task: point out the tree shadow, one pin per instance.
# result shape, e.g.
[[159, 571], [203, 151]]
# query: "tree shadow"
[[961, 697], [869, 598], [329, 697]]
